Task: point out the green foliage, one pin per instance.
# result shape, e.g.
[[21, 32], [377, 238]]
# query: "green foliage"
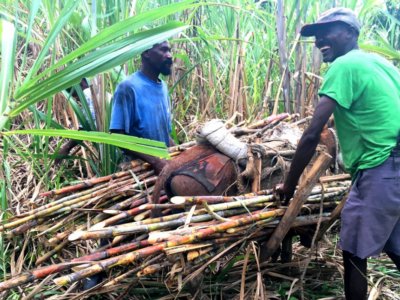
[[141, 145]]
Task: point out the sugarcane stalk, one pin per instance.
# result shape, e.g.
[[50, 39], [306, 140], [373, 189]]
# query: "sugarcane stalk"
[[153, 269], [50, 208], [122, 216], [62, 235], [338, 177], [85, 184], [141, 216], [49, 254], [133, 271], [213, 214], [216, 207], [217, 199], [97, 190], [45, 212], [193, 254], [162, 236], [141, 253], [135, 211], [321, 164], [46, 271], [185, 248], [268, 120], [62, 223], [24, 227], [131, 202], [182, 147], [113, 251], [257, 224], [136, 167], [235, 212], [124, 229]]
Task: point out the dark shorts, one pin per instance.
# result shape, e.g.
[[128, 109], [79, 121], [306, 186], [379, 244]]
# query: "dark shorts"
[[371, 215]]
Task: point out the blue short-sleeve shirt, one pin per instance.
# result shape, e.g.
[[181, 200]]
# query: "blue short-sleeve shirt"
[[141, 108]]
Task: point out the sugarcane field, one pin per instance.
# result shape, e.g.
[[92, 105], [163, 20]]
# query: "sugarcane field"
[[163, 149]]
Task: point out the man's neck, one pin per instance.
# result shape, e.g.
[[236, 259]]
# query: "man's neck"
[[351, 47], [150, 74]]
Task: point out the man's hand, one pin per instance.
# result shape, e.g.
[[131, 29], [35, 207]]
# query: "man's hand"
[[64, 151], [258, 150], [284, 193], [158, 165]]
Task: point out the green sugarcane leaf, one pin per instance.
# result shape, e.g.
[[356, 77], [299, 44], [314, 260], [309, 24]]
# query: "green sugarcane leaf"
[[8, 42], [102, 55], [98, 62], [109, 34], [388, 52], [55, 31], [145, 146], [44, 118], [82, 118]]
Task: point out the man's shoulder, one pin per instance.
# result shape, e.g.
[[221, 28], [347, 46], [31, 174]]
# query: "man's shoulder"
[[360, 57], [354, 61], [129, 82]]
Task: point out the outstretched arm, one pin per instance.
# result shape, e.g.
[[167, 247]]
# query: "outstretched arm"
[[307, 145], [157, 163]]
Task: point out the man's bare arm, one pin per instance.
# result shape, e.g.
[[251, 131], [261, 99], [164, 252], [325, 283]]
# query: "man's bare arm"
[[157, 163], [307, 144]]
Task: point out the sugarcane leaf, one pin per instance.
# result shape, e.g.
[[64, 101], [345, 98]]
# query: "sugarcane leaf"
[[82, 118], [73, 73], [95, 63], [109, 34], [388, 52], [65, 14], [33, 10], [44, 118], [8, 44], [146, 146]]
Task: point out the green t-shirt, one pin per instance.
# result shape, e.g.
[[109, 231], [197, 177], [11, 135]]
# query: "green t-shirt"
[[367, 117]]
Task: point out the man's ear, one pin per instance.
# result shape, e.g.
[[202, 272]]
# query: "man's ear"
[[145, 54], [352, 33]]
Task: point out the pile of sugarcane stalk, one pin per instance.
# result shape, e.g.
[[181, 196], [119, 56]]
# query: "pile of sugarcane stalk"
[[112, 216]]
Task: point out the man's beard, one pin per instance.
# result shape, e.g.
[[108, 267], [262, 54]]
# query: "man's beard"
[[166, 69]]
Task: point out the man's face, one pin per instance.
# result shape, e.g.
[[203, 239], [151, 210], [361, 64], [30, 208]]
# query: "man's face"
[[333, 40], [160, 58]]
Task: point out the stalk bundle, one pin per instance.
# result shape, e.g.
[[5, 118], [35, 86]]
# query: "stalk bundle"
[[116, 209]]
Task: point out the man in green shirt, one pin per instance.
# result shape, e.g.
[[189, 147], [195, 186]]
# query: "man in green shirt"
[[362, 90]]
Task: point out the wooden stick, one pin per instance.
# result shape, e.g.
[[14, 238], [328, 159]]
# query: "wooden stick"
[[325, 179], [319, 167], [255, 186], [333, 217]]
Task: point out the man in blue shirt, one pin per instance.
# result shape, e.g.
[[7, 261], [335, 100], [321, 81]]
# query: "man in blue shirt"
[[141, 103], [141, 108]]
